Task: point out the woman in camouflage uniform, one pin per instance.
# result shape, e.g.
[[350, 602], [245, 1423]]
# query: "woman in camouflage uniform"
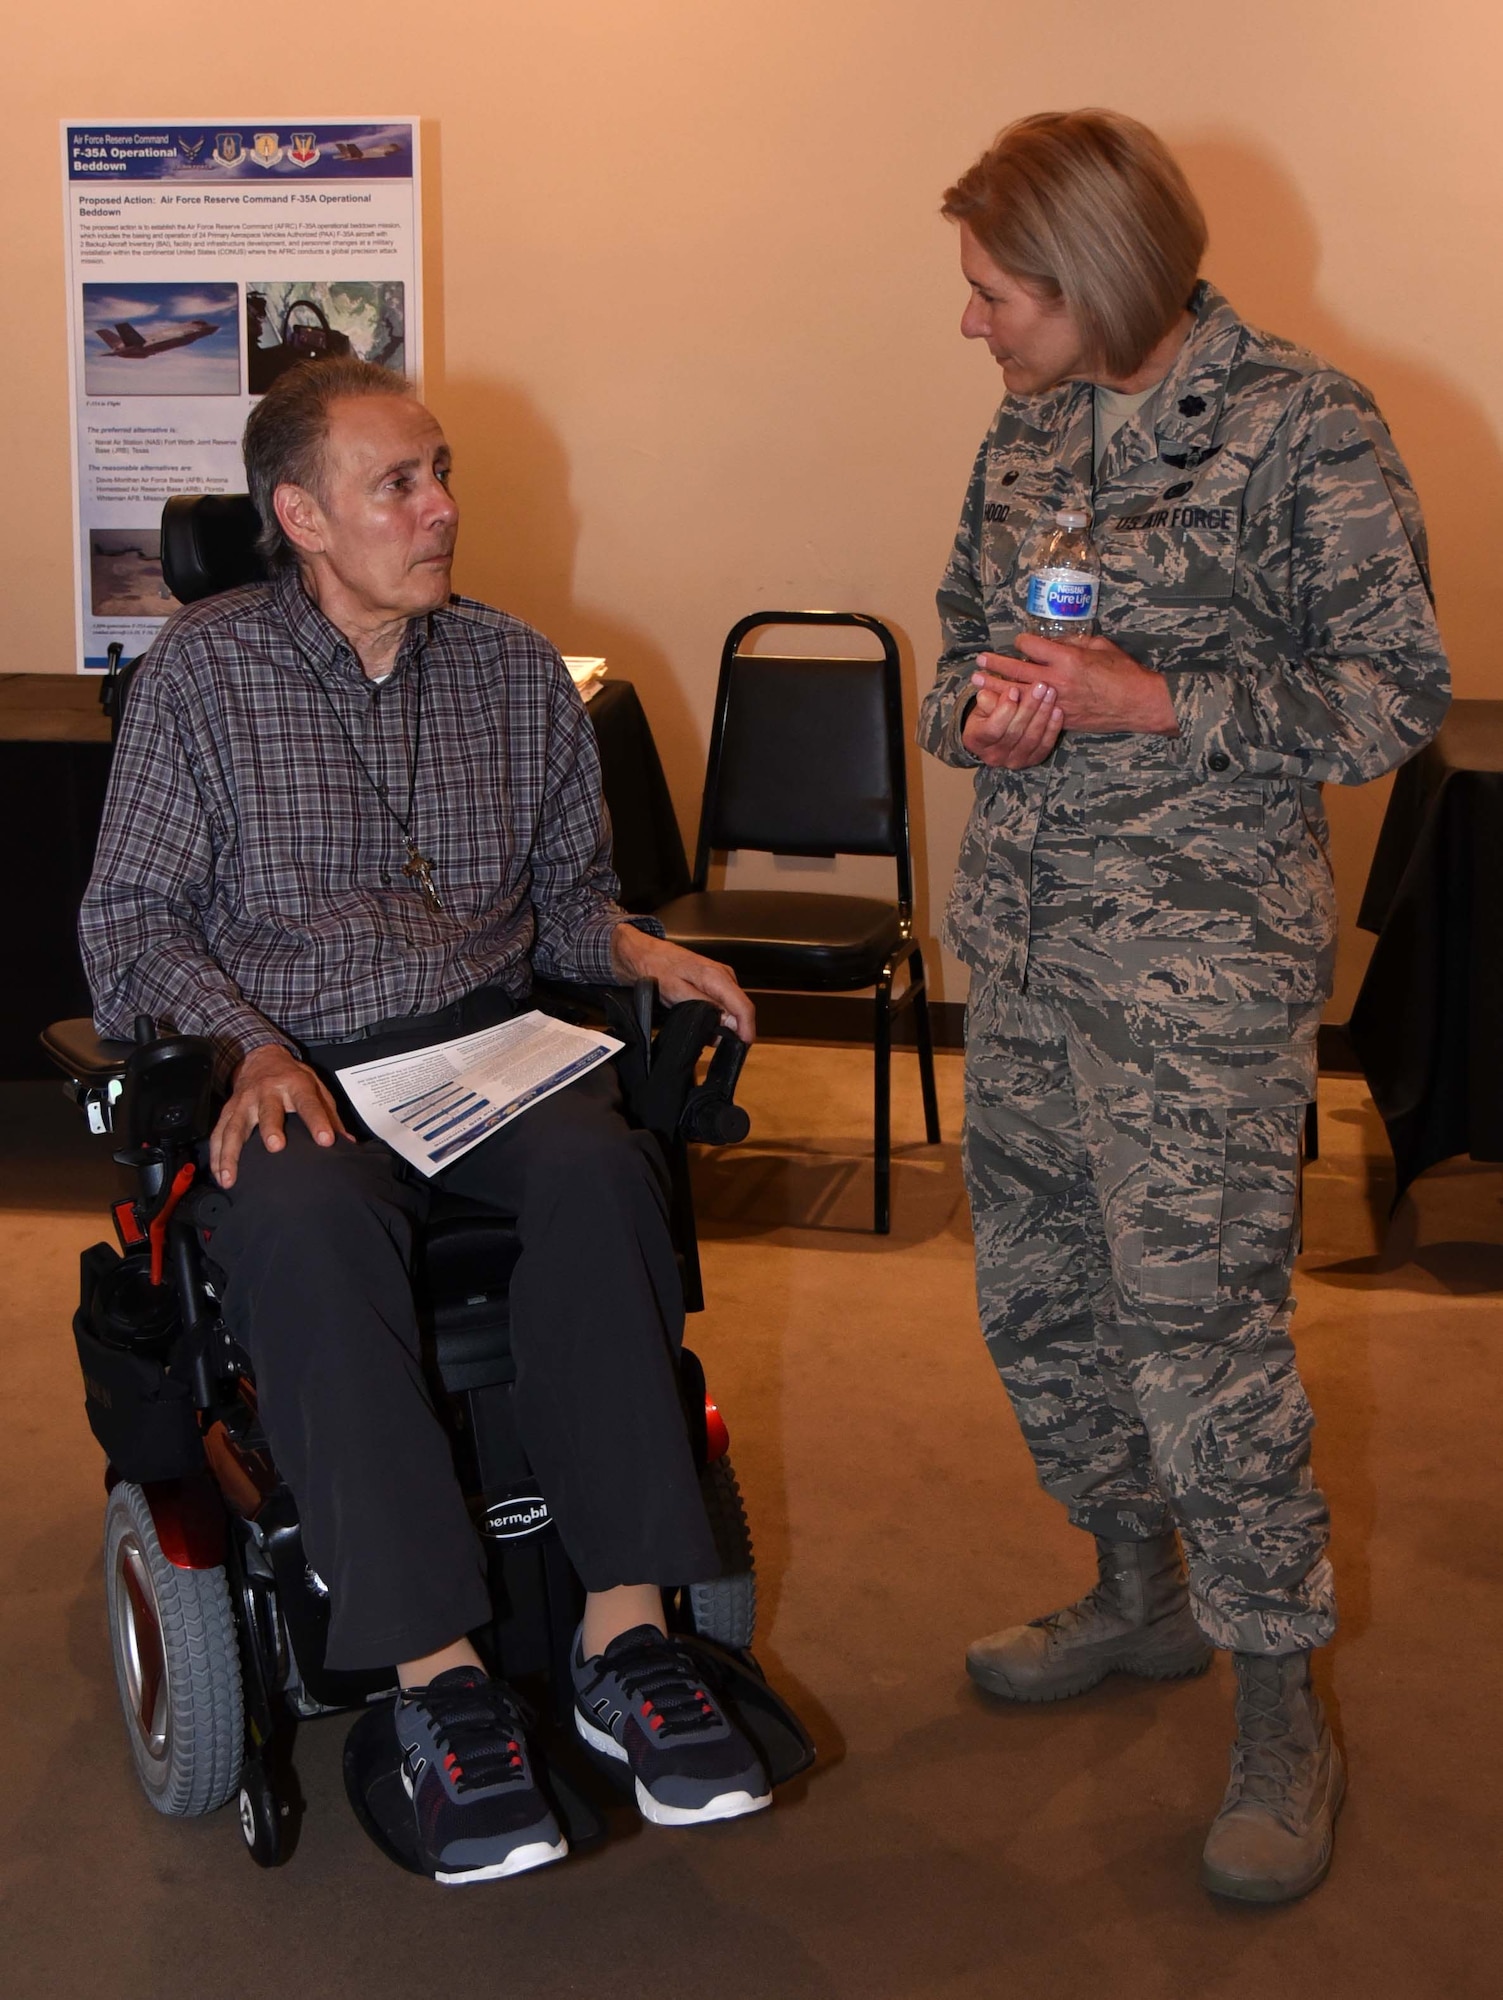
[[1144, 897]]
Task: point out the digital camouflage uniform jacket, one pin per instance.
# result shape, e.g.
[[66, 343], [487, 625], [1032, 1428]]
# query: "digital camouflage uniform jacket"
[[1262, 548]]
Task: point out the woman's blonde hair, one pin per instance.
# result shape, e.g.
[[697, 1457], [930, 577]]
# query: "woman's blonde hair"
[[1089, 207]]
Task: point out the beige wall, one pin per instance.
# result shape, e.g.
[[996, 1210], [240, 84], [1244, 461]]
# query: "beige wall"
[[692, 316]]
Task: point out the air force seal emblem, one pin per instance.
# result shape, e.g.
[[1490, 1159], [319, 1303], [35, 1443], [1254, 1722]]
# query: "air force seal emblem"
[[304, 148], [229, 149], [265, 151]]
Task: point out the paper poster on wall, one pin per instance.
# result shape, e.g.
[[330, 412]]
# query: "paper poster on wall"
[[205, 258]]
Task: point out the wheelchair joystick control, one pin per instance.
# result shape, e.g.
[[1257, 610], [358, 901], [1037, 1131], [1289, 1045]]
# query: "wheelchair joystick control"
[[711, 1114]]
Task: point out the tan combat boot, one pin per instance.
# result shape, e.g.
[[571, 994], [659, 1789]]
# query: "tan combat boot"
[[1271, 1841], [1136, 1621]]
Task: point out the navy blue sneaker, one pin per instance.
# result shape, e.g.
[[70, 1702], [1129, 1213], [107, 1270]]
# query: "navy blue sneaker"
[[479, 1812], [644, 1702]]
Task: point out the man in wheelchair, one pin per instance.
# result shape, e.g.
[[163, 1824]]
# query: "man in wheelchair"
[[351, 815]]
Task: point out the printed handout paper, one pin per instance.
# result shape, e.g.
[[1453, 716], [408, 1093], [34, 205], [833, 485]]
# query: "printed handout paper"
[[435, 1104]]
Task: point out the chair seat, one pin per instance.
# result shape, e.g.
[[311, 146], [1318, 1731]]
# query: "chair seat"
[[775, 938]]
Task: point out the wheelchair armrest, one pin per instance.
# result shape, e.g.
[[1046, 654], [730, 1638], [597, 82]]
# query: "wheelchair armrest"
[[157, 1089], [82, 1055], [656, 1070], [579, 1001], [711, 1114]]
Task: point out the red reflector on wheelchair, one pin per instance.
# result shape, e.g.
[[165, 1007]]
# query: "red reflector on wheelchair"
[[127, 1228], [717, 1437]]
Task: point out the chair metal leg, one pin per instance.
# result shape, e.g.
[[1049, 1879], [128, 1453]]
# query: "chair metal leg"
[[882, 1064], [924, 1035]]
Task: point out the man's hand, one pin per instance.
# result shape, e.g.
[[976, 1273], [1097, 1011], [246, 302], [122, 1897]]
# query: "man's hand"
[[682, 975], [1094, 686], [269, 1084], [1010, 727]]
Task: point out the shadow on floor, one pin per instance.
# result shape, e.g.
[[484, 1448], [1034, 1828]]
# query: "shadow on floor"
[[1448, 1224], [750, 1190]]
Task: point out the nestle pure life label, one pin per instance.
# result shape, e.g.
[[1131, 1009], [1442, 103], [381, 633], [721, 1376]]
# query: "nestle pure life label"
[[1062, 593]]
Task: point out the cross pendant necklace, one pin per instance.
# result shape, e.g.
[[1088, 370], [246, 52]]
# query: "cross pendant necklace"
[[419, 869]]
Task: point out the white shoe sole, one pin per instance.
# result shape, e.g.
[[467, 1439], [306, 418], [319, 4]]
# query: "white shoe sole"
[[728, 1805], [537, 1854]]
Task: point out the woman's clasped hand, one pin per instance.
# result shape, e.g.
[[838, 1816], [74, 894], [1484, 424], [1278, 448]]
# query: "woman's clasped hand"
[[1023, 706]]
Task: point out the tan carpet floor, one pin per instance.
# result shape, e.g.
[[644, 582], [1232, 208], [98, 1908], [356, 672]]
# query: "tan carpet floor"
[[945, 1845]]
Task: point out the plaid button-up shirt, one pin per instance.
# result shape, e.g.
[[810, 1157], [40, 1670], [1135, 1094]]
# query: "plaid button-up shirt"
[[247, 884]]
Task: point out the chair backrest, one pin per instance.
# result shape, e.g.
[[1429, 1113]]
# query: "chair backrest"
[[209, 544], [806, 751]]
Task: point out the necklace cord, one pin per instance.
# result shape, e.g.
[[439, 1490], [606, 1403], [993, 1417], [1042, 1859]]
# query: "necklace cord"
[[413, 756]]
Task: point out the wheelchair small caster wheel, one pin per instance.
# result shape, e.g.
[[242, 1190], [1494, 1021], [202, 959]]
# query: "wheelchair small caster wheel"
[[261, 1817]]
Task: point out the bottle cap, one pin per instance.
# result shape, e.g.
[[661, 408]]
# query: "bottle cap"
[[1071, 517]]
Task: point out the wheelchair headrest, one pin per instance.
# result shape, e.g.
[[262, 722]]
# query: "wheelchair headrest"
[[209, 544]]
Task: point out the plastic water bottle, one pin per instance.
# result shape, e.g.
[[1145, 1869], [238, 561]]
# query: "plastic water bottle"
[[1064, 580]]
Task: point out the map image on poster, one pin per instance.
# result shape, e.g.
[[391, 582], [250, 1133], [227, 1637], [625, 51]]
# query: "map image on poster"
[[291, 321], [125, 574], [161, 340], [205, 258]]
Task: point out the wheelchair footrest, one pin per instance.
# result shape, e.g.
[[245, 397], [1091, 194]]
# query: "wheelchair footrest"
[[785, 1746]]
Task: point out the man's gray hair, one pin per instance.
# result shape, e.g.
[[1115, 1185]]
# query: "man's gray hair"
[[287, 430]]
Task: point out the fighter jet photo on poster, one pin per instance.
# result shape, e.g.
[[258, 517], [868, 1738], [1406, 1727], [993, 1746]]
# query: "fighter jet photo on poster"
[[149, 339], [130, 345]]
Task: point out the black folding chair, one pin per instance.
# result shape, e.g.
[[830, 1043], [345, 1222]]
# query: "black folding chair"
[[807, 758]]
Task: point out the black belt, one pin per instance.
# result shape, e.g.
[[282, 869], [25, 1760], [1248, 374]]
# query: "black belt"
[[481, 1009]]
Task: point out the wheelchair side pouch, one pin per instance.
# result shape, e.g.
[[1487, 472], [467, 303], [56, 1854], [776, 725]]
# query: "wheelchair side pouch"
[[143, 1420]]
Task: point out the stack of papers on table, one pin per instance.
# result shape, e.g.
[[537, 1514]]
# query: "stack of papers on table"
[[586, 671]]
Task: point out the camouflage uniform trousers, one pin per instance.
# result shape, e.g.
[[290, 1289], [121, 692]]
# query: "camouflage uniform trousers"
[[1133, 1181]]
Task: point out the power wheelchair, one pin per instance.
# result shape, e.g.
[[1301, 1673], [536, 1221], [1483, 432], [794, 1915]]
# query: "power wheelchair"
[[217, 1622]]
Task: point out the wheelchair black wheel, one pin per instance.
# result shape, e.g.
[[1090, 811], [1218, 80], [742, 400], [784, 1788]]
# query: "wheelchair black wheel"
[[177, 1664], [725, 1609], [261, 1816]]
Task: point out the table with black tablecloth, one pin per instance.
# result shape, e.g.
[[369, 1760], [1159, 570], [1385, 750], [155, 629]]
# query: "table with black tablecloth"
[[1428, 1023], [54, 765]]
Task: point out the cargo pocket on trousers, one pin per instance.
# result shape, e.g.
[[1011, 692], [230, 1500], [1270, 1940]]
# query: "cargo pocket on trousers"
[[1219, 1202]]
